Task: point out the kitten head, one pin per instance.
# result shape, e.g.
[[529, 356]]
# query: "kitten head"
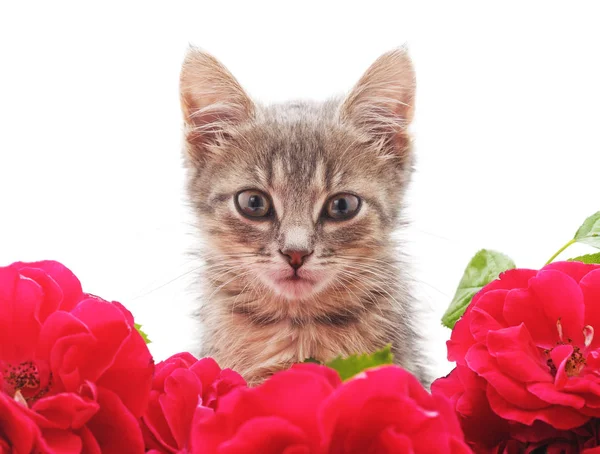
[[295, 198]]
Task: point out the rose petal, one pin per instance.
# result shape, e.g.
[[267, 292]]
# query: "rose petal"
[[130, 374], [590, 287], [52, 293], [386, 401], [179, 402], [517, 356], [482, 427], [328, 373], [69, 285], [576, 270], [271, 399], [227, 381], [114, 427], [452, 425], [356, 429], [16, 429], [267, 435], [461, 339], [560, 356], [509, 279], [548, 393], [552, 296], [64, 411], [19, 300], [155, 429], [391, 441], [206, 369], [166, 367], [587, 387], [62, 442], [487, 314], [560, 417], [110, 330], [89, 443], [126, 313], [479, 360]]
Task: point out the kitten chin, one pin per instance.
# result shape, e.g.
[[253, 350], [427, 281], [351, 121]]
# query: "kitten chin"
[[297, 203]]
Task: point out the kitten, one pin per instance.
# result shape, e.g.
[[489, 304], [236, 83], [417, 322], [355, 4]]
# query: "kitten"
[[297, 203]]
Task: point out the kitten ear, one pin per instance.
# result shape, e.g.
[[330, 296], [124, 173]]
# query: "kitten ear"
[[212, 100], [381, 103]]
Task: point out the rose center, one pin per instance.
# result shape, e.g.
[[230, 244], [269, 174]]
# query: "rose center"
[[574, 364], [576, 361], [24, 380]]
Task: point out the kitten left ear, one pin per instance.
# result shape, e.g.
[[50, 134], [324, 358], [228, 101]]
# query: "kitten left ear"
[[381, 103], [212, 101]]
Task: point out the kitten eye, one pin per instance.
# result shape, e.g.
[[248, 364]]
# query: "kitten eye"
[[342, 206], [253, 204]]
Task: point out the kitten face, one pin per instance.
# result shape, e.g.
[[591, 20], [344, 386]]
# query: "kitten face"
[[293, 198]]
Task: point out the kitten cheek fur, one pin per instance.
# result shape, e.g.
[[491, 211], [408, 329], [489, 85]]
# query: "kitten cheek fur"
[[300, 154]]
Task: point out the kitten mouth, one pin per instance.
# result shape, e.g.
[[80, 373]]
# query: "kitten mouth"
[[294, 285], [295, 278]]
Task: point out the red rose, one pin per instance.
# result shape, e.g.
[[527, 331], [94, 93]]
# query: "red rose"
[[307, 410], [529, 337], [541, 437], [386, 410], [71, 364], [181, 384], [485, 431], [18, 432], [277, 417]]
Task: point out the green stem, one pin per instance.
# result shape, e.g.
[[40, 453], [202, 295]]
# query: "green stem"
[[560, 250]]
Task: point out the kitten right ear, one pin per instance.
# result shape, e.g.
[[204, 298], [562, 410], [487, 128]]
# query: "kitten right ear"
[[381, 103], [212, 101]]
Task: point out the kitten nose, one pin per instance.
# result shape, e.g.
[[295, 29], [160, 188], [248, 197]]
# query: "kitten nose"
[[296, 257]]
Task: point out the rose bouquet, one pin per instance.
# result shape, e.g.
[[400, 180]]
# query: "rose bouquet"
[[76, 376]]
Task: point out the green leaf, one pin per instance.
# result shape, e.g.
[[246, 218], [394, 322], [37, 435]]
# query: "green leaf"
[[312, 360], [589, 232], [483, 268], [138, 327], [588, 258], [354, 364]]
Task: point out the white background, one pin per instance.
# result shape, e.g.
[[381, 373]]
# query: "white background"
[[506, 131]]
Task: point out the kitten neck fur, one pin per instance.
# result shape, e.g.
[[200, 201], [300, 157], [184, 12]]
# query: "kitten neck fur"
[[348, 293]]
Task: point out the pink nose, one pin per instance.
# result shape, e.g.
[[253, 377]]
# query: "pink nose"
[[296, 257]]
